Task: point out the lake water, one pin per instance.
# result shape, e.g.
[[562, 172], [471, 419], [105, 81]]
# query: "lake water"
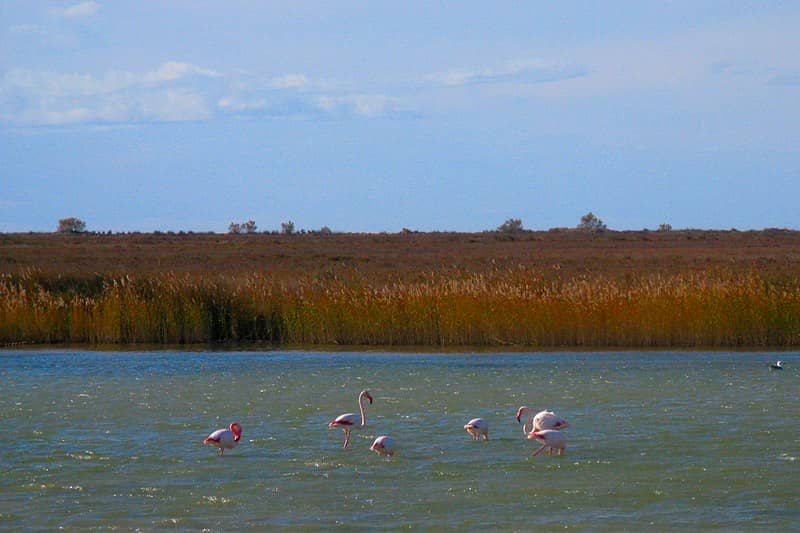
[[95, 440]]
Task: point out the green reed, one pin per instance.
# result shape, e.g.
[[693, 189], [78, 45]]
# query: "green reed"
[[446, 308]]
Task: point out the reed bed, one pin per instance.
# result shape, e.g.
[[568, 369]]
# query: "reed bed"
[[516, 306]]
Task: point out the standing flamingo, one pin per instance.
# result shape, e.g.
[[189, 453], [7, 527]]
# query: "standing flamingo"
[[383, 445], [348, 421], [477, 427], [543, 420], [550, 438], [225, 438]]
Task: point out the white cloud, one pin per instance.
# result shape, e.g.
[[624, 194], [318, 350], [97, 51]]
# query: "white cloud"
[[174, 105], [237, 105], [167, 93], [365, 105], [84, 9], [526, 70], [289, 81], [173, 70]]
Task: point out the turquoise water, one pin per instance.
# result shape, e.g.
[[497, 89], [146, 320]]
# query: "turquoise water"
[[96, 440]]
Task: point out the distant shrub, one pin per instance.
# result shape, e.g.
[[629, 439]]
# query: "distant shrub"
[[287, 228], [590, 222], [245, 227], [71, 225], [664, 227], [512, 225]]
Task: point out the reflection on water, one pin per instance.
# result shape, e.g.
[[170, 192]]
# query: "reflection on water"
[[671, 440]]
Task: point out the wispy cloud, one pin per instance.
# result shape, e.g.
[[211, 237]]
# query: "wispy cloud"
[[526, 70], [176, 90], [30, 97], [289, 81], [83, 9], [364, 105]]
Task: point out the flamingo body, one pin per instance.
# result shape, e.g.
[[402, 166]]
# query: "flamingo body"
[[552, 439], [383, 445], [542, 420], [348, 421], [548, 420], [477, 427], [225, 439]]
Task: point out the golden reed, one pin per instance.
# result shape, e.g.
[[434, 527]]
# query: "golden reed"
[[455, 308]]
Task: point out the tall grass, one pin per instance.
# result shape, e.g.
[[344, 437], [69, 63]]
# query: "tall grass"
[[443, 308]]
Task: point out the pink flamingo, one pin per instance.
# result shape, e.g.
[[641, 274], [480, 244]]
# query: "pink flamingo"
[[477, 427], [550, 438], [225, 438], [543, 420], [348, 421], [383, 445]]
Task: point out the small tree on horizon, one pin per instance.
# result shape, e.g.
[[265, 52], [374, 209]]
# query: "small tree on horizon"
[[71, 225], [590, 222], [512, 225], [287, 228]]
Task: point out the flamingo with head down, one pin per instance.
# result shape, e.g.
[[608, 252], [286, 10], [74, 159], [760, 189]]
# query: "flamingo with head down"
[[542, 420], [551, 439], [383, 445], [477, 427], [225, 439], [349, 421]]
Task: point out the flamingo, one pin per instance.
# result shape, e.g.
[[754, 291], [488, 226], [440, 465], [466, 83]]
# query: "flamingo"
[[477, 427], [225, 438], [348, 421], [550, 438], [543, 420], [383, 445]]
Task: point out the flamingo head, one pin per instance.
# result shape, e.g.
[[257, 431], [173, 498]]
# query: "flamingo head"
[[522, 411], [366, 394], [236, 429]]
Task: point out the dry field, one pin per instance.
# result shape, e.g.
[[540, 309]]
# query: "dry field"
[[534, 289], [568, 253]]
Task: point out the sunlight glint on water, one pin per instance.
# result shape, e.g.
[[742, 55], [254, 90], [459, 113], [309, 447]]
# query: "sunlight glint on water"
[[673, 440]]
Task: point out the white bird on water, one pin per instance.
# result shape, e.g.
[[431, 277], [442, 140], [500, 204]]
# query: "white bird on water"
[[383, 445], [349, 421], [477, 427], [550, 438], [225, 439], [542, 420], [777, 366]]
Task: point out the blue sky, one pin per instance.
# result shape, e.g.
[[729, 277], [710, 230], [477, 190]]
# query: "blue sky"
[[378, 116]]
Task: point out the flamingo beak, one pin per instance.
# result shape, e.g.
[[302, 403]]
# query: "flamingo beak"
[[369, 398]]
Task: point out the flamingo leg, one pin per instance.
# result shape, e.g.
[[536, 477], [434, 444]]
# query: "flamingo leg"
[[346, 438], [537, 452]]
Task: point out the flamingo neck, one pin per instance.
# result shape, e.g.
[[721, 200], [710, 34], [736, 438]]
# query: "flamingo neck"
[[361, 407], [527, 427]]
